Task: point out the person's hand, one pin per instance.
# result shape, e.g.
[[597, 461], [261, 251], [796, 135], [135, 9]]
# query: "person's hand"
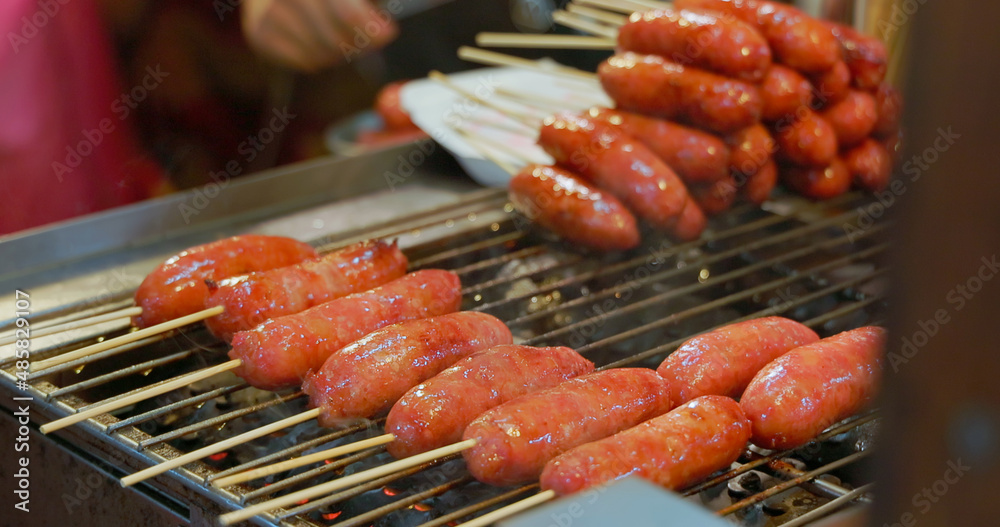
[[314, 34]]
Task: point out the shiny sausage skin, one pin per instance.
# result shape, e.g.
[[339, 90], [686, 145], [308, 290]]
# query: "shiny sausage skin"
[[515, 440], [889, 108], [253, 298], [784, 91], [808, 389], [751, 149], [691, 223], [696, 156], [388, 106], [278, 353], [866, 56], [715, 198], [853, 118], [653, 85], [870, 165], [818, 182], [675, 450], [724, 45], [177, 287], [758, 186], [832, 85], [434, 414], [796, 39], [724, 360], [616, 162], [577, 211], [366, 377], [809, 140]]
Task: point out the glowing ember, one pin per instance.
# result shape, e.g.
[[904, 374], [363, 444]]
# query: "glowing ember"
[[332, 515], [218, 457], [422, 507], [303, 502], [389, 492]]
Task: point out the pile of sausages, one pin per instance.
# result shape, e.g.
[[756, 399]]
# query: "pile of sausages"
[[363, 338], [715, 100]]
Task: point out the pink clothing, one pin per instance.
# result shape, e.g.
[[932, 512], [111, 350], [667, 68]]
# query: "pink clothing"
[[67, 146]]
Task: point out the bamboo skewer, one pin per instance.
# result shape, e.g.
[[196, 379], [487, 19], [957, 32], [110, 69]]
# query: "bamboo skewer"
[[276, 468], [147, 393], [619, 6], [580, 23], [510, 510], [147, 473], [600, 15], [522, 40], [127, 338], [492, 58], [523, 118], [348, 481], [480, 146], [125, 314]]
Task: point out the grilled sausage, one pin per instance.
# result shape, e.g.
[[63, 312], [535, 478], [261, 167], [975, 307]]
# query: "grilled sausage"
[[515, 440], [832, 85], [751, 149], [653, 85], [784, 91], [388, 106], [889, 107], [818, 182], [809, 140], [724, 45], [253, 298], [696, 156], [366, 377], [724, 360], [870, 165], [577, 211], [808, 389], [715, 198], [691, 223], [796, 39], [434, 414], [758, 186], [674, 450], [278, 353], [866, 56], [616, 162], [177, 287], [853, 118]]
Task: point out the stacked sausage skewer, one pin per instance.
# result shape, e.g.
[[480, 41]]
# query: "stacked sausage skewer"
[[730, 96]]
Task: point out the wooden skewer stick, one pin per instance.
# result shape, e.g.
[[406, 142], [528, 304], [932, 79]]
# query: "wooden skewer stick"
[[492, 58], [480, 146], [140, 396], [510, 510], [348, 481], [538, 101], [276, 468], [126, 313], [600, 15], [619, 6], [523, 40], [127, 338], [583, 24], [651, 4], [523, 118], [147, 473]]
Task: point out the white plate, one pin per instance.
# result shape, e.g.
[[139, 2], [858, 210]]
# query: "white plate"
[[436, 109]]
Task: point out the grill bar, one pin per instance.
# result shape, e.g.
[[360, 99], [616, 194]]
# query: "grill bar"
[[309, 474], [405, 502], [172, 407], [481, 506], [143, 367]]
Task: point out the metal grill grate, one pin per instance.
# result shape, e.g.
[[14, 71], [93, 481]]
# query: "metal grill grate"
[[629, 309]]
